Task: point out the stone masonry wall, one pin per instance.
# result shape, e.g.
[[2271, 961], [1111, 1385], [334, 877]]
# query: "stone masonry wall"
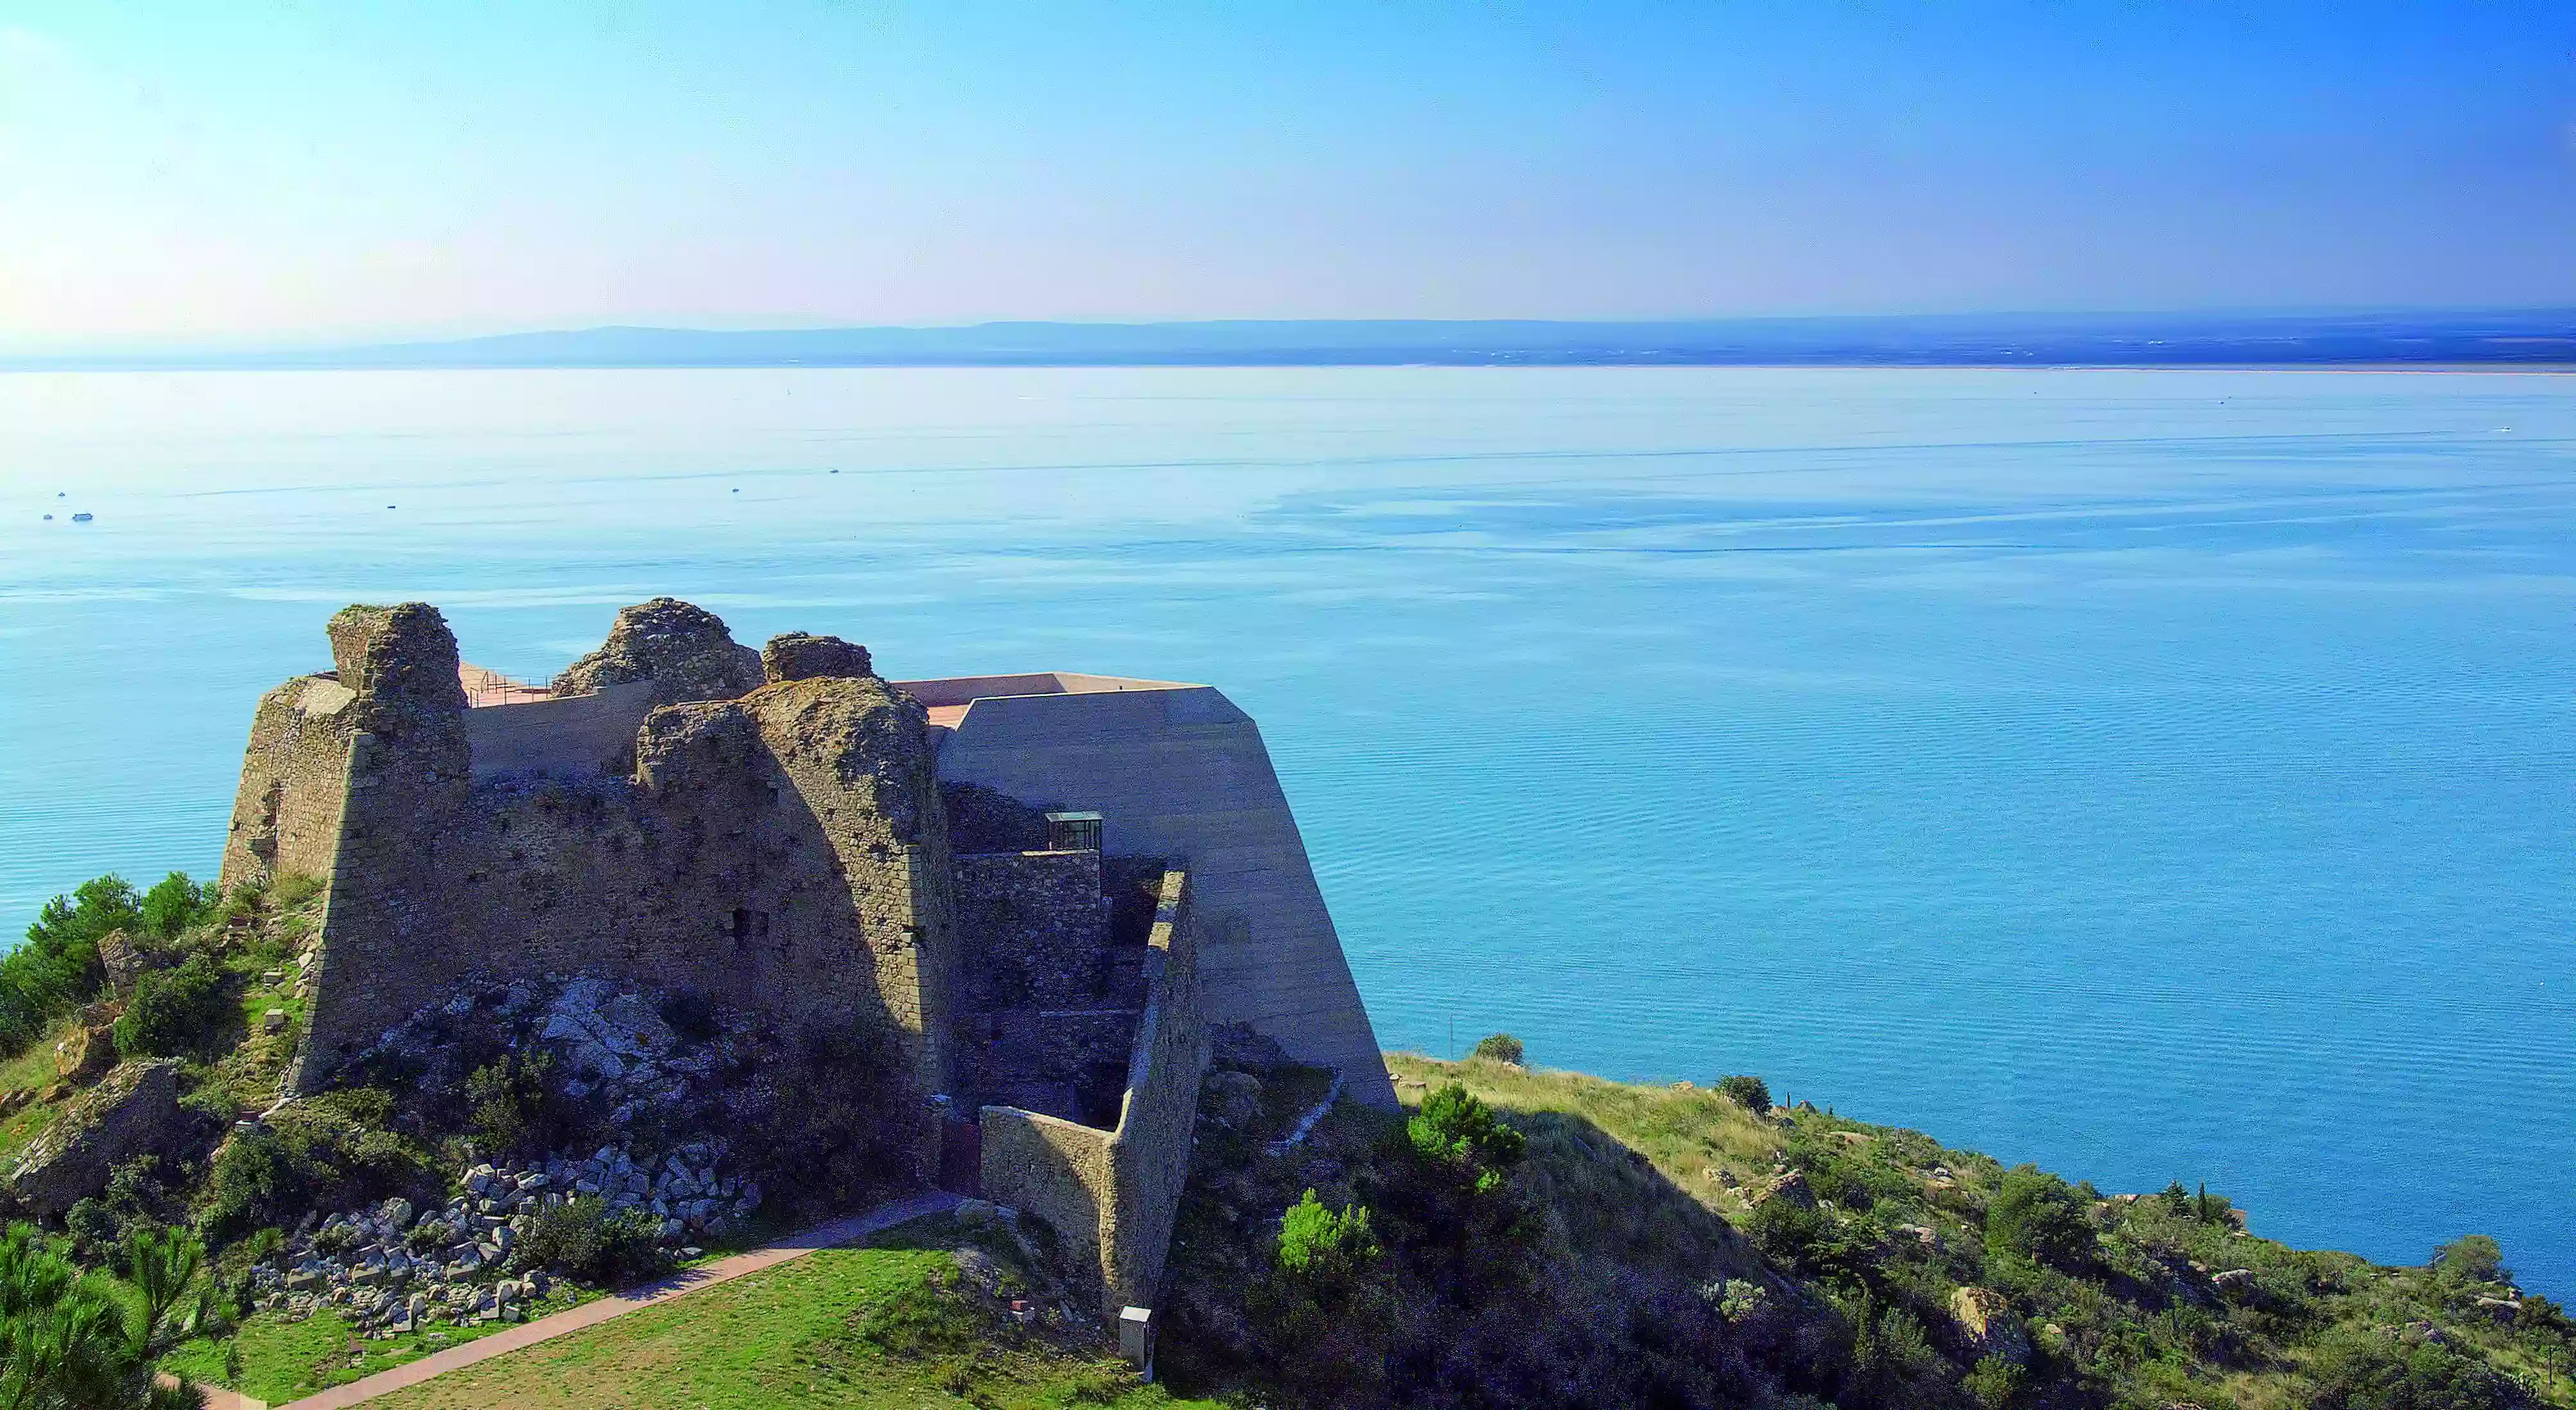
[[1113, 1195], [783, 852], [1049, 1004], [295, 775]]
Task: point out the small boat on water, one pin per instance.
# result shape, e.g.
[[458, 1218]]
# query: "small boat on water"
[[83, 517]]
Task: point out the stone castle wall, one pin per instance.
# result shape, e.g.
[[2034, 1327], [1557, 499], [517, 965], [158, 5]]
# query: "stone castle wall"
[[783, 852], [1112, 1194], [295, 776]]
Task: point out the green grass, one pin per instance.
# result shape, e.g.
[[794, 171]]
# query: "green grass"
[[284, 1360], [841, 1327], [31, 1071]]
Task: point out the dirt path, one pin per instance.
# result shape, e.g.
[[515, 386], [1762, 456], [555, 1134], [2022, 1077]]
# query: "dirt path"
[[573, 1319]]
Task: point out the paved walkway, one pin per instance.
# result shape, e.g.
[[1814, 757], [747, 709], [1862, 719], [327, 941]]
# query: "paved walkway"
[[573, 1319]]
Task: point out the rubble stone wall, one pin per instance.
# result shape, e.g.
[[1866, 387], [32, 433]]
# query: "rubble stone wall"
[[295, 775], [1113, 1194], [1041, 928], [783, 852]]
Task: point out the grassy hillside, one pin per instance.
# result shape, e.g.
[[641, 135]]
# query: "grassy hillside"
[[912, 1326], [1672, 1246]]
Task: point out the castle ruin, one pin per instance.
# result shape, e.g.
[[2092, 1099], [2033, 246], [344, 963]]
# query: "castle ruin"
[[773, 830]]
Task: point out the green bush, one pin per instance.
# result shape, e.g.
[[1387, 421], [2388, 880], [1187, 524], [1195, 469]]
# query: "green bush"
[[56, 969], [176, 905], [1996, 1384], [1323, 1247], [2038, 1216], [582, 1238], [511, 1102], [1749, 1092], [321, 1153], [2370, 1370], [178, 1012], [2474, 1258], [1499, 1047], [1462, 1134]]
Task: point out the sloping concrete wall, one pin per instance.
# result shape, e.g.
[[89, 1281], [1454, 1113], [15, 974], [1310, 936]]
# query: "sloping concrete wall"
[[1181, 773], [578, 736]]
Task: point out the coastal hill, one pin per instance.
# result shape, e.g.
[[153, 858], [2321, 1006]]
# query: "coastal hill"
[[1507, 1236]]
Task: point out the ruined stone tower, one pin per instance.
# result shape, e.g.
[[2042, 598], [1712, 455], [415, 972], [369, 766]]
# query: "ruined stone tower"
[[768, 830]]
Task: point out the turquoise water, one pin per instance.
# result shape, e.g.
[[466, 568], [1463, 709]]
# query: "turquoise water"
[[2155, 775]]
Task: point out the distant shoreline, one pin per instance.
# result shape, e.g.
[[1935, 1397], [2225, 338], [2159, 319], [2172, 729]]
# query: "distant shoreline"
[[2450, 369], [2459, 341]]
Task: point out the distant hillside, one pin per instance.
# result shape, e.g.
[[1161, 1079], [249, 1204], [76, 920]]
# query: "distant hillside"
[[2417, 338]]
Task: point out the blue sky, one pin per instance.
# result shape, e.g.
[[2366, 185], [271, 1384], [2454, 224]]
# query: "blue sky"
[[261, 172]]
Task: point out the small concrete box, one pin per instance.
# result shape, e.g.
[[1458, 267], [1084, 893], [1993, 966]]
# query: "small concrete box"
[[1136, 1339]]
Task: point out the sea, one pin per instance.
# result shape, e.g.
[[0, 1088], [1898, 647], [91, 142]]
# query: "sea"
[[2153, 775]]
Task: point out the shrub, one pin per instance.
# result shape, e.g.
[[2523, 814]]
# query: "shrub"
[[1996, 1384], [177, 1012], [176, 905], [56, 969], [1457, 1131], [2367, 1370], [316, 1155], [1498, 1047], [691, 1014], [583, 1238], [2474, 1258], [2037, 1216], [1749, 1092], [1325, 1248], [510, 1101]]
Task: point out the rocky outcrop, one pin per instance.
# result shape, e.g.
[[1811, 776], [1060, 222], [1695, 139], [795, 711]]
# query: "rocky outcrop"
[[1790, 1186], [801, 656], [133, 1111], [1986, 1322], [684, 650]]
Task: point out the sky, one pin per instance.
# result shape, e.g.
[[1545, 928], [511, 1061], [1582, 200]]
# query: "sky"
[[259, 173]]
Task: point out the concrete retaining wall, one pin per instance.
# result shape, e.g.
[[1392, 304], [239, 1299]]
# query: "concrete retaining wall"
[[579, 736]]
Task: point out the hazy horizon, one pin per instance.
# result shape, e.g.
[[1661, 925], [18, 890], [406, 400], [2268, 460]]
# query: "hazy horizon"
[[183, 177]]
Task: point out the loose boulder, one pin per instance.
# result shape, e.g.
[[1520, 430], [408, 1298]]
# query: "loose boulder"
[[133, 1111], [1986, 1322]]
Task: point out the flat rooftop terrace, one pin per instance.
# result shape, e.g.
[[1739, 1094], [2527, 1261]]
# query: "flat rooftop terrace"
[[947, 700]]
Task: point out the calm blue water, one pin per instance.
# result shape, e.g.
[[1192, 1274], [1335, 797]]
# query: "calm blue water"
[[2153, 775]]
